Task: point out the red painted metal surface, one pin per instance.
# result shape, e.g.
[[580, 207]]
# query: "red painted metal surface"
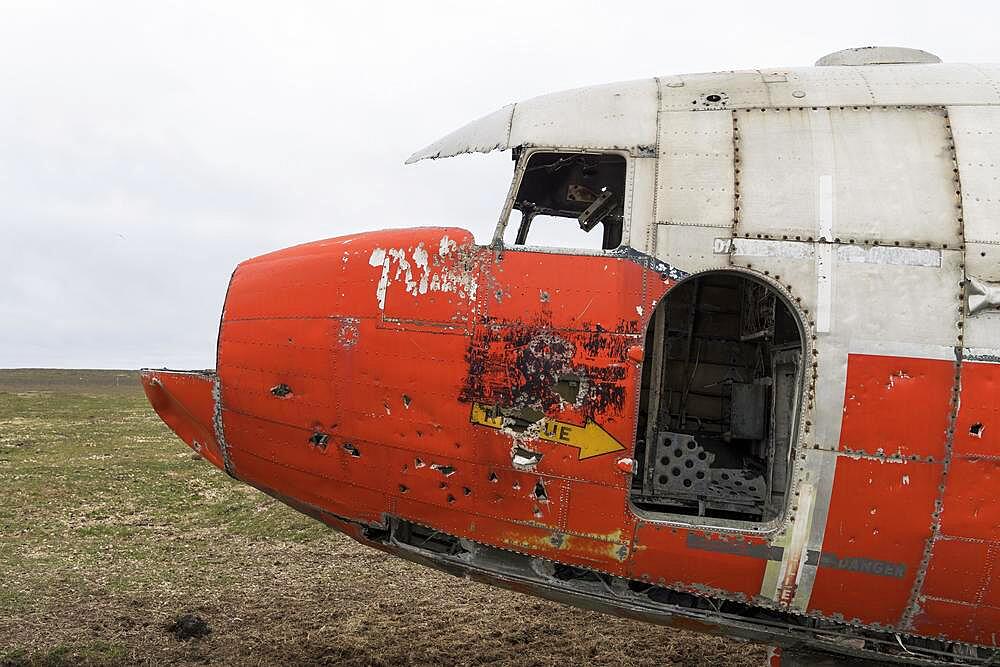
[[386, 342], [186, 402], [879, 510], [959, 598], [356, 377], [663, 556], [897, 406]]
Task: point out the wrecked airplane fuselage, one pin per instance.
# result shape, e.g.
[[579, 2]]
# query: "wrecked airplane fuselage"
[[730, 362]]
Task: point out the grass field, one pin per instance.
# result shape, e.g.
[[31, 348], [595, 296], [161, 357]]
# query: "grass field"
[[110, 528]]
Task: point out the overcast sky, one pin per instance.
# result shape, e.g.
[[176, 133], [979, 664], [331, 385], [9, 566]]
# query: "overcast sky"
[[148, 147]]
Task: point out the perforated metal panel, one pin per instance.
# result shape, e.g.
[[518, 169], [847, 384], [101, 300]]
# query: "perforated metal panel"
[[681, 469], [681, 466]]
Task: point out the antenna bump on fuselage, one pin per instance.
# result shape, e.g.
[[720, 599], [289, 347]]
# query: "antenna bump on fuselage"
[[878, 55]]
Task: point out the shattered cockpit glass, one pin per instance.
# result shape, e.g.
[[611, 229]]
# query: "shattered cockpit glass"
[[569, 200]]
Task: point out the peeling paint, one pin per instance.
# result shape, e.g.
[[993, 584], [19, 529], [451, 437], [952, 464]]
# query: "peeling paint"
[[378, 258], [446, 247], [349, 332], [414, 269], [901, 375]]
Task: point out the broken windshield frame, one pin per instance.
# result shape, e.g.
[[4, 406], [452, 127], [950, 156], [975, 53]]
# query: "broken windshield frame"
[[601, 215]]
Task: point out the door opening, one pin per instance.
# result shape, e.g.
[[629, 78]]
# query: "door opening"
[[719, 402]]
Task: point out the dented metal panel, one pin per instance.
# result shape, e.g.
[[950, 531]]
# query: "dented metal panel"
[[487, 134], [613, 116]]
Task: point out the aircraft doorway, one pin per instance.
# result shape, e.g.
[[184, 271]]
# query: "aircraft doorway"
[[719, 401]]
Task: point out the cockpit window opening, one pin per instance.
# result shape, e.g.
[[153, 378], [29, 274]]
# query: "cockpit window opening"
[[719, 403], [568, 200]]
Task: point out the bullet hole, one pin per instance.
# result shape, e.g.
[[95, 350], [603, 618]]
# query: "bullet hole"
[[403, 489], [568, 388], [976, 431], [447, 471], [519, 420], [537, 512], [540, 491], [713, 98], [319, 439], [351, 449], [466, 491], [516, 486], [406, 401], [451, 498], [525, 458], [493, 478], [443, 485], [417, 463], [281, 390]]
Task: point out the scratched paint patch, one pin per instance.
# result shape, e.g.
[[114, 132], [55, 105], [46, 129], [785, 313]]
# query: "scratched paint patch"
[[348, 332], [431, 281], [535, 369], [896, 406], [448, 270]]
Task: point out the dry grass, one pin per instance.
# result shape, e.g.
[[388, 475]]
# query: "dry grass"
[[109, 530]]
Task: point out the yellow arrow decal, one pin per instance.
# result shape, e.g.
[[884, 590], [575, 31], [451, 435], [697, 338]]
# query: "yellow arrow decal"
[[591, 439]]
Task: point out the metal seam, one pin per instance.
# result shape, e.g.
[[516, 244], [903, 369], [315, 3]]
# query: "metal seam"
[[913, 605], [651, 229], [218, 428]]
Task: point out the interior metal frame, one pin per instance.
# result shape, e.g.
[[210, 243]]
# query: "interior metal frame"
[[654, 463]]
